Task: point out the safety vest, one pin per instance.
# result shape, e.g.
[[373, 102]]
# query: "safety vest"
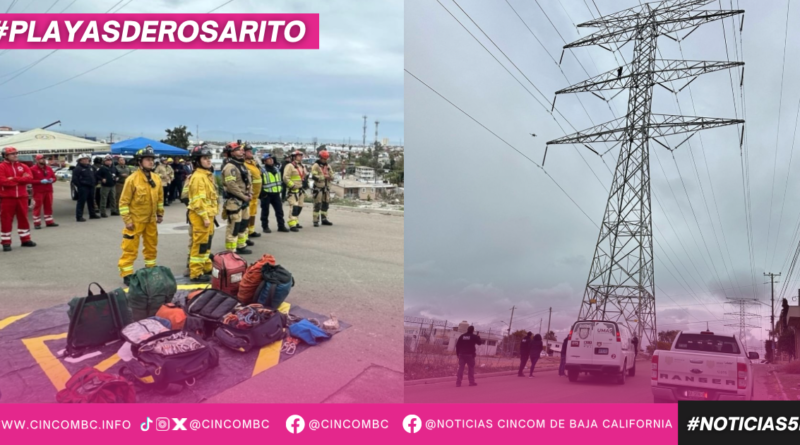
[[272, 182]]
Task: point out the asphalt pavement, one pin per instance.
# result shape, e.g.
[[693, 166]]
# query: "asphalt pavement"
[[544, 387], [353, 269]]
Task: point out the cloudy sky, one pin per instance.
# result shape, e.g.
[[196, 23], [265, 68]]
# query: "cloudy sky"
[[247, 94], [488, 229]]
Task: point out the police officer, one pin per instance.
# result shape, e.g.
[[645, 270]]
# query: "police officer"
[[255, 175], [294, 176], [322, 175], [108, 182], [141, 207], [236, 183], [203, 207], [272, 186], [84, 181], [524, 352], [465, 350]]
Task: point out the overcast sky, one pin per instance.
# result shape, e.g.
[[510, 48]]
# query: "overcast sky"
[[488, 230], [250, 94]]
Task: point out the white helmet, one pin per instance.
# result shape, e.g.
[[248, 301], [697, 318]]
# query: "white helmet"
[[84, 156]]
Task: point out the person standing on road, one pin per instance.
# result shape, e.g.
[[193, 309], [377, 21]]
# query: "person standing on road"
[[84, 181], [563, 365], [524, 352], [203, 207], [252, 166], [294, 176], [108, 184], [43, 193], [141, 208], [536, 351], [96, 164], [286, 161], [123, 171], [14, 179], [236, 183], [177, 182], [635, 343], [165, 172], [322, 175], [465, 350], [271, 195]]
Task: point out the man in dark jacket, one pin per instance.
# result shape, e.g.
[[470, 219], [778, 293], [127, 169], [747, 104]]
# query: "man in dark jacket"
[[465, 350], [635, 343], [272, 186], [96, 164], [177, 184], [536, 350], [84, 181], [107, 176], [524, 352], [562, 366]]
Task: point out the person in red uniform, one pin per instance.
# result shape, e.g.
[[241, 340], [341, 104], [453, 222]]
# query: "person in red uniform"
[[14, 178], [43, 193]]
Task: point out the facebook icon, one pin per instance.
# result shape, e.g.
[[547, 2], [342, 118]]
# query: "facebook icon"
[[412, 424], [295, 424]]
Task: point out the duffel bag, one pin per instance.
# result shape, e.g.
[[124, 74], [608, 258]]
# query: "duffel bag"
[[95, 320], [205, 311], [251, 327], [92, 386], [171, 357], [150, 288], [227, 272], [252, 279]]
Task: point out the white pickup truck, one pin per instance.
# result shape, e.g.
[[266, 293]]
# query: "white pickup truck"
[[702, 366]]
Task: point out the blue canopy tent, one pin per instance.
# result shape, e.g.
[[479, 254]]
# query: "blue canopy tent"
[[131, 146]]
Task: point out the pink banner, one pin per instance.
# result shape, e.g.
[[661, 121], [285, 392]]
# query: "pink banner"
[[560, 423], [159, 31]]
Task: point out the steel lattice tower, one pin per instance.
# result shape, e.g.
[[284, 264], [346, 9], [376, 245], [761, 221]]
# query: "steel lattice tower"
[[621, 283], [742, 324]]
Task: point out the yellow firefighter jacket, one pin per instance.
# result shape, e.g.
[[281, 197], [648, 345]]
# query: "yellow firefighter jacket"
[[203, 194], [140, 202]]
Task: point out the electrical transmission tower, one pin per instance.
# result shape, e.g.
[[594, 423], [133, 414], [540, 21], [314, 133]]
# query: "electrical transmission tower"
[[621, 286], [376, 133], [743, 304]]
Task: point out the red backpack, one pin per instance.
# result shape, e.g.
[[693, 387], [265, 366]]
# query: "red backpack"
[[227, 272], [92, 386]]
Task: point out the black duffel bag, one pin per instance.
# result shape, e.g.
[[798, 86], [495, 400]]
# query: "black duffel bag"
[[171, 357], [263, 328], [206, 309], [95, 320]]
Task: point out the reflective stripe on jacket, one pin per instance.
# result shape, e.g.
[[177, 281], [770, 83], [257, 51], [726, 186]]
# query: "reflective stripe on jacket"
[[203, 194], [140, 202]]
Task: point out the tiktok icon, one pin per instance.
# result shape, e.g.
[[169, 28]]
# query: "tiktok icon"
[[146, 427]]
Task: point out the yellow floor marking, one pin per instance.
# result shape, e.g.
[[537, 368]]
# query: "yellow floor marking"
[[7, 321], [107, 363], [51, 366], [270, 355]]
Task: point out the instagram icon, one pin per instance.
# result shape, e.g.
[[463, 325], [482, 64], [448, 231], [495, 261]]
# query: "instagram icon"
[[162, 424]]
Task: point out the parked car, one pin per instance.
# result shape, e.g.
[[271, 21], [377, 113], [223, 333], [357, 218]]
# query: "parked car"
[[702, 366], [600, 347]]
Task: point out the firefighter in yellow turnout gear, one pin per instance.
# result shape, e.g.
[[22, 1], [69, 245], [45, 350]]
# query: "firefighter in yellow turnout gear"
[[141, 207], [252, 166], [203, 207], [321, 173], [296, 182], [236, 183]]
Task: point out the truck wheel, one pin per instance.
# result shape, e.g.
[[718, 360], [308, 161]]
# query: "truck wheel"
[[622, 375], [572, 375], [632, 371]]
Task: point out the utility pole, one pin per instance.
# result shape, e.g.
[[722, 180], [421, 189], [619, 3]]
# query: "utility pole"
[[364, 141], [376, 134], [509, 326], [549, 316], [621, 278], [772, 306], [540, 326]]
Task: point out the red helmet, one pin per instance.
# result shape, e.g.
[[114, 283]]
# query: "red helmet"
[[324, 154], [297, 152], [9, 151], [230, 147], [39, 157]]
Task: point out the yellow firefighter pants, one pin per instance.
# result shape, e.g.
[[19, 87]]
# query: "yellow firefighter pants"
[[295, 200], [253, 210], [201, 236], [321, 201], [130, 246], [236, 232]]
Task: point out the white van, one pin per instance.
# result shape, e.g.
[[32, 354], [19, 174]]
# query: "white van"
[[600, 347]]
